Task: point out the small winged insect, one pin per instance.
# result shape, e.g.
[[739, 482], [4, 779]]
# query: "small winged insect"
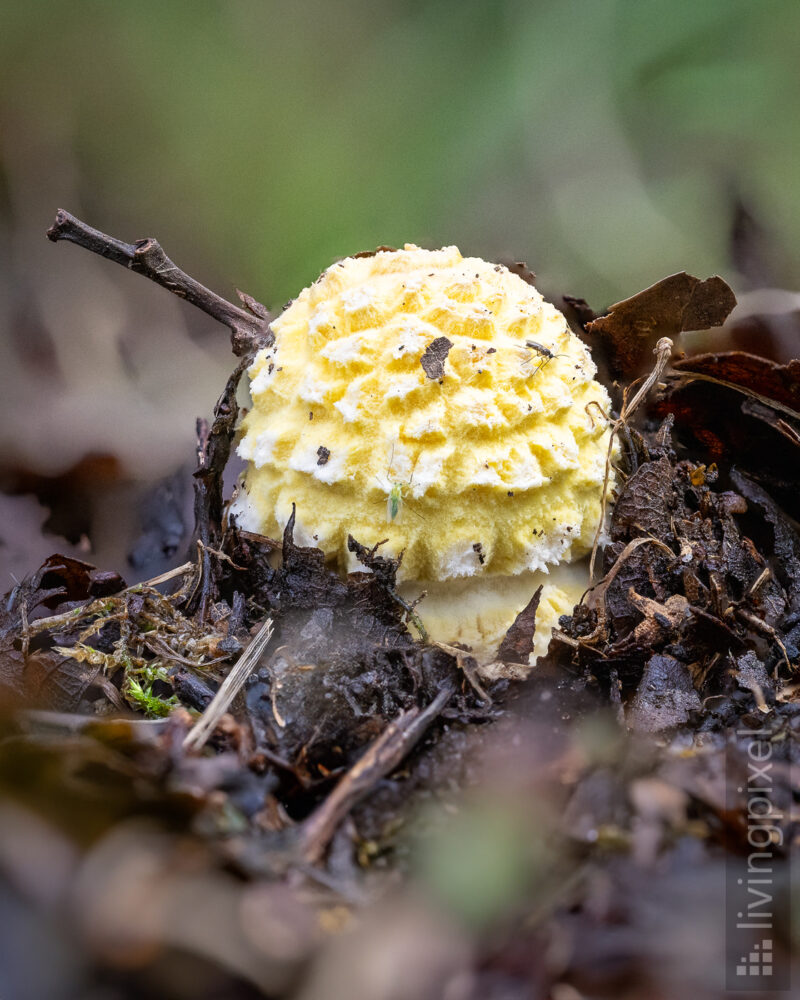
[[395, 501], [544, 353]]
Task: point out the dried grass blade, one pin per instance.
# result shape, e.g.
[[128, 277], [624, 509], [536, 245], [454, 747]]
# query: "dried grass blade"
[[230, 687]]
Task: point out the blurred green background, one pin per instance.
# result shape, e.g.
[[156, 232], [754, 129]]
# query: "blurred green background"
[[607, 142]]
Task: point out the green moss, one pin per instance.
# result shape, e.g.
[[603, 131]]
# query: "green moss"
[[139, 694]]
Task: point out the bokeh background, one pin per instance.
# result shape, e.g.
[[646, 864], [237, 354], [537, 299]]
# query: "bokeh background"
[[607, 142]]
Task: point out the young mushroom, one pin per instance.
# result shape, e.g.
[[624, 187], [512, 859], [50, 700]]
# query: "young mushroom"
[[438, 402]]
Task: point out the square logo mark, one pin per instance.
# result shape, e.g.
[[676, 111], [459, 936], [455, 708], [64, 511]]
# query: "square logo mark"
[[758, 962]]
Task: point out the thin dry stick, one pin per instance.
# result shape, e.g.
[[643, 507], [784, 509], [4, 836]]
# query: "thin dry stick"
[[380, 758], [229, 688], [97, 605], [765, 629], [663, 352], [77, 723], [249, 326], [599, 589], [161, 649], [170, 574], [762, 578], [26, 638], [68, 617], [462, 656]]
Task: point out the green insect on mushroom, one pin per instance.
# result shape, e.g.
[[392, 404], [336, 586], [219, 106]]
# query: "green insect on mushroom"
[[394, 498], [394, 502]]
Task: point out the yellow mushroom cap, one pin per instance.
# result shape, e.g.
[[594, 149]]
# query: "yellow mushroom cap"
[[488, 449], [499, 462]]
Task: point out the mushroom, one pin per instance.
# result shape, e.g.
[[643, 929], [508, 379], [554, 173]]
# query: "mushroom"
[[437, 402]]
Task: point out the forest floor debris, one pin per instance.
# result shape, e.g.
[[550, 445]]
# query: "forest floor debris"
[[356, 805]]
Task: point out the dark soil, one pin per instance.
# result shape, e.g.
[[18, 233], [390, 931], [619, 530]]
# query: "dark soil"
[[369, 818]]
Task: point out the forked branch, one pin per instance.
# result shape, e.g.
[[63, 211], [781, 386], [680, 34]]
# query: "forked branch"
[[249, 326]]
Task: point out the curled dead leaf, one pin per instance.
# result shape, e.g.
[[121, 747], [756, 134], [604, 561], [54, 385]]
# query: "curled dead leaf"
[[674, 305]]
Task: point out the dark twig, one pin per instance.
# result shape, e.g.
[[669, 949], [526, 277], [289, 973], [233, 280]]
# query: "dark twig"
[[380, 758], [249, 326], [213, 451]]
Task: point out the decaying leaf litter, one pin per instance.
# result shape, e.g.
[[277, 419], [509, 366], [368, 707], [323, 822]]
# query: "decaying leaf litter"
[[351, 738]]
